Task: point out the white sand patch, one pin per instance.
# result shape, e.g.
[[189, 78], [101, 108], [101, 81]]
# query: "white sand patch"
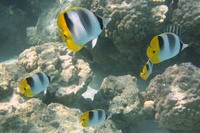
[[90, 93]]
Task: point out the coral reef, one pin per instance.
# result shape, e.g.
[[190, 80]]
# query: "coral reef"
[[176, 95], [120, 95], [130, 20], [9, 73], [128, 28], [34, 116], [70, 76], [172, 98], [134, 23], [188, 16]]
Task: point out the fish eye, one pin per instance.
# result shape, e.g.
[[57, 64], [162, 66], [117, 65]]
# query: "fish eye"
[[83, 119], [143, 73], [154, 51], [24, 89], [65, 36]]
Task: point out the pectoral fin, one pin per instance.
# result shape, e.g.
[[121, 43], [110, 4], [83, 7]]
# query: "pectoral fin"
[[94, 42], [45, 92]]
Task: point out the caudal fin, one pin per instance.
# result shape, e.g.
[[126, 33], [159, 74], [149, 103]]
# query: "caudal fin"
[[183, 45]]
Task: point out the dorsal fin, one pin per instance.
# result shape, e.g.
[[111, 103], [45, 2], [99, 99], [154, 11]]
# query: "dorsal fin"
[[176, 29], [100, 20]]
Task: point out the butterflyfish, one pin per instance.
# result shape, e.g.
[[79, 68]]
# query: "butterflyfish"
[[33, 85], [147, 70], [78, 26], [93, 117], [164, 46]]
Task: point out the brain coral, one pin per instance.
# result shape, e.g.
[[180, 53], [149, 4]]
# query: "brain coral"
[[176, 94]]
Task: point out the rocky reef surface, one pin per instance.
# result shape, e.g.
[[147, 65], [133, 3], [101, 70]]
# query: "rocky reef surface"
[[120, 95], [69, 73], [171, 99], [176, 97], [134, 23], [70, 78], [33, 116], [9, 75]]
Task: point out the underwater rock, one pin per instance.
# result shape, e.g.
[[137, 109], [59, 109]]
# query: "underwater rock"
[[133, 25], [176, 94], [70, 76], [135, 22], [128, 29], [148, 108], [188, 16], [130, 20], [148, 105], [9, 75], [119, 94], [34, 116]]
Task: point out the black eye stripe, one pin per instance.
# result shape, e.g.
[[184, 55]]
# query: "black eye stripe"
[[68, 21], [30, 82]]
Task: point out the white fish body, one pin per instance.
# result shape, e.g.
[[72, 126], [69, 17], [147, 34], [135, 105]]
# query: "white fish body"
[[40, 83], [85, 25]]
